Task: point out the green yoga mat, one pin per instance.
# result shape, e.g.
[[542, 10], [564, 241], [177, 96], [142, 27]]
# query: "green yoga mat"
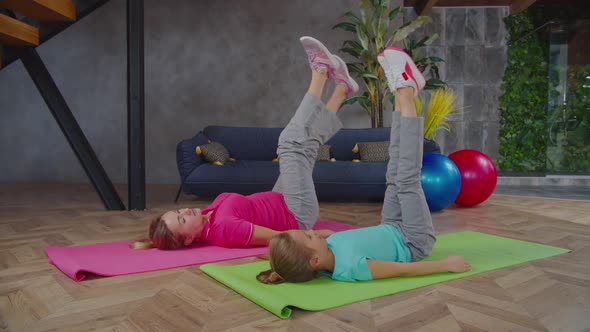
[[484, 253]]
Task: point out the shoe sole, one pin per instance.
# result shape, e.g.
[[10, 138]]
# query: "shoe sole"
[[415, 74], [312, 42]]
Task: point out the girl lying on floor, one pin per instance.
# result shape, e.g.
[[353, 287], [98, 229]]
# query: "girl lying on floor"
[[405, 236]]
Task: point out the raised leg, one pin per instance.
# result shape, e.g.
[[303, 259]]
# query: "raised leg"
[[416, 223], [405, 205], [313, 124], [391, 212]]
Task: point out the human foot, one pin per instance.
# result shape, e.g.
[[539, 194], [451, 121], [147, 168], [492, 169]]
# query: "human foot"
[[318, 56], [342, 77], [403, 72]]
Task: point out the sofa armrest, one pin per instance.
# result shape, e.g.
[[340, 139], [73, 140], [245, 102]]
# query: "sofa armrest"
[[186, 158]]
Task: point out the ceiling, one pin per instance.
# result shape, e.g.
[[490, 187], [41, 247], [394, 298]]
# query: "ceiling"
[[423, 7]]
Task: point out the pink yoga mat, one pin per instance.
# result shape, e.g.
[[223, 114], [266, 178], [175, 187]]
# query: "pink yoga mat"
[[112, 259]]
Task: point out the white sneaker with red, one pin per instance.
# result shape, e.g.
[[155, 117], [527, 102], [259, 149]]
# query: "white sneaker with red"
[[318, 56], [341, 76], [403, 72], [387, 71]]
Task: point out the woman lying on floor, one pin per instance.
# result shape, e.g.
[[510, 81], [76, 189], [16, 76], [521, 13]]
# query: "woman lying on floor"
[[234, 220]]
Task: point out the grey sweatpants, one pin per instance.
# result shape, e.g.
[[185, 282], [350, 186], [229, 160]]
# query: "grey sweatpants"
[[299, 142], [404, 205]]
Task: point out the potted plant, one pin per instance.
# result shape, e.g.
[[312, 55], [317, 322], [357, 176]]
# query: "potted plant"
[[374, 32], [441, 106]]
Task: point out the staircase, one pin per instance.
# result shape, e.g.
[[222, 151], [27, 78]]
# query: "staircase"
[[24, 32], [26, 24]]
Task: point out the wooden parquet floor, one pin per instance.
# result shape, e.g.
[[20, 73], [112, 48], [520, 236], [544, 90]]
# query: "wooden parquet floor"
[[546, 295]]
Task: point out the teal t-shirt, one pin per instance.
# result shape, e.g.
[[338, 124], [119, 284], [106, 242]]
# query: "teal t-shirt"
[[352, 248]]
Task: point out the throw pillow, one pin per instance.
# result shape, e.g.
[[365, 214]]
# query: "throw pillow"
[[373, 152], [214, 152], [323, 154]]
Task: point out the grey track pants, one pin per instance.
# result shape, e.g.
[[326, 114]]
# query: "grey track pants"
[[311, 126], [404, 205]]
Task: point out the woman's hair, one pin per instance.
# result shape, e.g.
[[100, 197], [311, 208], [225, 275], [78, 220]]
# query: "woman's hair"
[[289, 261], [159, 237]]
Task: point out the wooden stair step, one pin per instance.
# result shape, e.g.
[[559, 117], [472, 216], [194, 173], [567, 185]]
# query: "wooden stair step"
[[43, 10], [16, 33]]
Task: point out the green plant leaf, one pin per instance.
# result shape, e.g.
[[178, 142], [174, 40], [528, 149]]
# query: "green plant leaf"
[[434, 73], [422, 63], [420, 43], [366, 57], [433, 82], [366, 6], [355, 71], [353, 18], [394, 12], [354, 44], [351, 51], [353, 100], [362, 37], [390, 97], [345, 26], [406, 29], [426, 69], [435, 59], [431, 39], [369, 75]]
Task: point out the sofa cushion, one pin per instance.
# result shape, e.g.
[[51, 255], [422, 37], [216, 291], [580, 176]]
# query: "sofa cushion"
[[345, 179], [323, 153], [213, 152], [373, 152], [345, 139], [186, 158], [239, 171], [349, 173], [241, 176], [244, 143], [246, 177]]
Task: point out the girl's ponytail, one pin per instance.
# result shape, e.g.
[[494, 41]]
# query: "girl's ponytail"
[[142, 244], [288, 258], [269, 277]]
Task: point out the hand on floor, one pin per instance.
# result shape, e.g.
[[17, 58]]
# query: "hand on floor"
[[456, 264]]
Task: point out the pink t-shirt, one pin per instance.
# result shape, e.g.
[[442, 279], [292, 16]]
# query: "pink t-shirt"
[[234, 216]]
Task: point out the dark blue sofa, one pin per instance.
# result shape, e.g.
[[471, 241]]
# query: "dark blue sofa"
[[254, 171]]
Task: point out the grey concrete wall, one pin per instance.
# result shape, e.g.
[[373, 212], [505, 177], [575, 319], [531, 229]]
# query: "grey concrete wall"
[[473, 43], [207, 62]]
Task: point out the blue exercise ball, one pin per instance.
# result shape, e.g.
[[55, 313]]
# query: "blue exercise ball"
[[441, 180]]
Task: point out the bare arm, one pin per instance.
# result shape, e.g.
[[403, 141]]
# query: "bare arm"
[[324, 233], [384, 269], [262, 235]]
